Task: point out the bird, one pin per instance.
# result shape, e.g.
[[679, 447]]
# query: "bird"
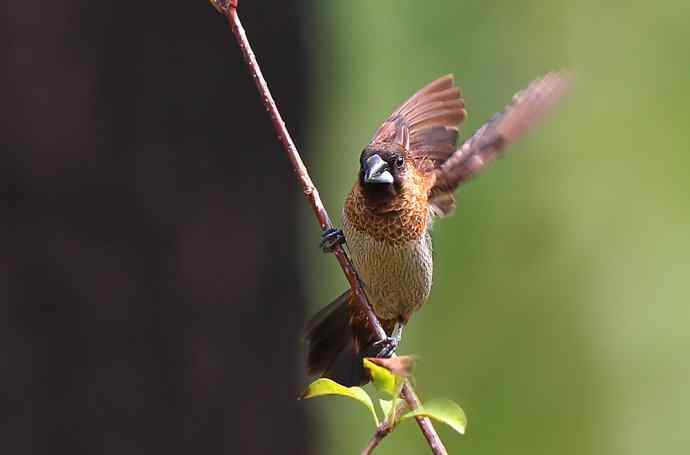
[[408, 175]]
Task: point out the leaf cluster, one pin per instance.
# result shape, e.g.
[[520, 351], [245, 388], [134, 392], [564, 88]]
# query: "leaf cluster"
[[388, 377]]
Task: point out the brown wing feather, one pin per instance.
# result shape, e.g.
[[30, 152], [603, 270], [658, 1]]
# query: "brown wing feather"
[[429, 120], [527, 108]]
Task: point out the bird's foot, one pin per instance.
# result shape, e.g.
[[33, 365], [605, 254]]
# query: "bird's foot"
[[330, 239], [386, 348], [383, 348]]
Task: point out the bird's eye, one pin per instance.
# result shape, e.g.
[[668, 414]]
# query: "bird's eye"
[[399, 161]]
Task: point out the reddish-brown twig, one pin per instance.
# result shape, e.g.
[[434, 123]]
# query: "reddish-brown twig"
[[381, 432], [228, 8]]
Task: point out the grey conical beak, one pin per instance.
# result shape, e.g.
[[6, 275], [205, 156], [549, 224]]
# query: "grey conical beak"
[[376, 170]]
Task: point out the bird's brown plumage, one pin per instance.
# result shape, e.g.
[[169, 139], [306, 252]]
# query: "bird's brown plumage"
[[430, 120], [397, 221], [386, 220], [526, 110]]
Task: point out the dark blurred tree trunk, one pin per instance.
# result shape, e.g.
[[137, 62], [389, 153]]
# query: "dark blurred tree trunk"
[[150, 300]]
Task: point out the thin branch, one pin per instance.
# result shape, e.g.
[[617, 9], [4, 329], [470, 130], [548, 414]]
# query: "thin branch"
[[386, 427], [381, 432], [410, 396], [228, 8]]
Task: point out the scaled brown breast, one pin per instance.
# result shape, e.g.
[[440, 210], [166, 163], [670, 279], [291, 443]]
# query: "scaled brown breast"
[[401, 220]]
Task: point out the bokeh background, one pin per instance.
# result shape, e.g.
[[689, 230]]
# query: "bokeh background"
[[560, 313], [157, 260]]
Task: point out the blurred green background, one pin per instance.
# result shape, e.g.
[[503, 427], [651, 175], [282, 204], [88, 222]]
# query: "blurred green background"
[[559, 315]]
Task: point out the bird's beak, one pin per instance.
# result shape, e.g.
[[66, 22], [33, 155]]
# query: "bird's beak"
[[376, 170]]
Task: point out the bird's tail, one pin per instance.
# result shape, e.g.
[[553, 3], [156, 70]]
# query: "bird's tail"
[[334, 351]]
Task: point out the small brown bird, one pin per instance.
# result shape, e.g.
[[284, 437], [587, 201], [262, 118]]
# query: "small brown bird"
[[408, 174]]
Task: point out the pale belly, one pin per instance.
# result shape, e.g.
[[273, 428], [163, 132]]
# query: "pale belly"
[[397, 277]]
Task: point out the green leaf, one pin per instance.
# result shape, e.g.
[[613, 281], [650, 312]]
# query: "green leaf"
[[325, 386], [386, 407], [383, 379], [446, 411]]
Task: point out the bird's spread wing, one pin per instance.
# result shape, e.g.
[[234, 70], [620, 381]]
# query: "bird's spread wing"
[[526, 109], [426, 125]]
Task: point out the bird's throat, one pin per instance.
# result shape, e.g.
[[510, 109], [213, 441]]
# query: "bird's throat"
[[394, 220]]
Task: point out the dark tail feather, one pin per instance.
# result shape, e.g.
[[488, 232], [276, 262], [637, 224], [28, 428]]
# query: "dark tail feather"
[[333, 352]]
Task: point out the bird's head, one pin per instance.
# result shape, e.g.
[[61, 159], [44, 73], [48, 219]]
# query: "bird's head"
[[384, 173]]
